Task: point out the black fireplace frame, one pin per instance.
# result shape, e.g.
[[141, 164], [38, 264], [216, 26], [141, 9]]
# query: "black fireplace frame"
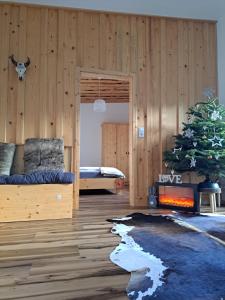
[[194, 187]]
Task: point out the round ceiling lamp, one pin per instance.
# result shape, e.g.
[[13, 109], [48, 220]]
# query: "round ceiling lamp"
[[99, 104]]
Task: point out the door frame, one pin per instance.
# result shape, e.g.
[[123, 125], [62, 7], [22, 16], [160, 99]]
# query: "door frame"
[[106, 74]]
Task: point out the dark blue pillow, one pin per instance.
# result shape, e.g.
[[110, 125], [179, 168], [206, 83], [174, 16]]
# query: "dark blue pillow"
[[67, 177], [3, 179], [39, 177], [15, 179]]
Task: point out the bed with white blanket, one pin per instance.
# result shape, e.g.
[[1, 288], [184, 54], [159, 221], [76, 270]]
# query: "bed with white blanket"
[[92, 178]]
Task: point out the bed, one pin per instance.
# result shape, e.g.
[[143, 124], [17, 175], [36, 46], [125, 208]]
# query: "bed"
[[95, 178]]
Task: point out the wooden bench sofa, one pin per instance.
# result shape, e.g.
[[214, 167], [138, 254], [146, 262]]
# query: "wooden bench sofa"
[[36, 201]]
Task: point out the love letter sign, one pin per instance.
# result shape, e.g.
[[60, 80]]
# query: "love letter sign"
[[170, 178]]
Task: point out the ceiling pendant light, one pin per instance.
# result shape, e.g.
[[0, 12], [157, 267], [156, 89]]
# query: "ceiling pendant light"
[[99, 104]]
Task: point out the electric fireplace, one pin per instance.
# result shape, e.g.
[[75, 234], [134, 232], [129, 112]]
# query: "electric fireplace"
[[178, 196]]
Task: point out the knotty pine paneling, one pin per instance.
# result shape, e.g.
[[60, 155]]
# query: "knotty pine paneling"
[[172, 60]]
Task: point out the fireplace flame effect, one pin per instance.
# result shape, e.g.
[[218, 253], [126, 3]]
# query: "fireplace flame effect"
[[175, 201]]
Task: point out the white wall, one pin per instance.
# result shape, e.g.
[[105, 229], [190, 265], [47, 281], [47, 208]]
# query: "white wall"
[[221, 57], [90, 129], [194, 9], [199, 9]]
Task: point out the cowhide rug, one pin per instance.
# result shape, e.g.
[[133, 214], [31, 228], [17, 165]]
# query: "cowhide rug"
[[174, 257]]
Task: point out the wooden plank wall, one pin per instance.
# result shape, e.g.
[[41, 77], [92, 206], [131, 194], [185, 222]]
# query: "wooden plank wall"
[[172, 59]]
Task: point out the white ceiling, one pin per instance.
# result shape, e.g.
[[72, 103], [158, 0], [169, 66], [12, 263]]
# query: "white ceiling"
[[196, 9]]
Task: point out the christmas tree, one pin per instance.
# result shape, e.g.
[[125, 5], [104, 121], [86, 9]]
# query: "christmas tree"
[[201, 146]]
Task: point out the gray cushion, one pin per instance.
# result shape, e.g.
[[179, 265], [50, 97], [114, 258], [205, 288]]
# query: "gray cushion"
[[6, 157], [18, 163], [43, 155]]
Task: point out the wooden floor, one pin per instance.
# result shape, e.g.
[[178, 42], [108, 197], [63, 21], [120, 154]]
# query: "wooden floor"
[[64, 259]]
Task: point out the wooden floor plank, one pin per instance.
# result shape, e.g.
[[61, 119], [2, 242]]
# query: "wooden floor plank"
[[65, 259]]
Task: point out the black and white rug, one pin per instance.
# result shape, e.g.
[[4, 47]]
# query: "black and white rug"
[[177, 256]]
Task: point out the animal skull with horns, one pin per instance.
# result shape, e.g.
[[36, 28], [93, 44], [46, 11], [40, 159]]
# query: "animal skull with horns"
[[20, 67]]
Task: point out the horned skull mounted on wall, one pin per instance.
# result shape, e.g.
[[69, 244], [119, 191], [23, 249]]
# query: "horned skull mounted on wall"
[[20, 66]]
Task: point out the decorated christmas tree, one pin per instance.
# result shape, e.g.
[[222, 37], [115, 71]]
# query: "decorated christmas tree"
[[201, 146]]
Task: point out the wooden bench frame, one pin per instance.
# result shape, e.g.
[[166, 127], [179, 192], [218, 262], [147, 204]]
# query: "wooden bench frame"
[[35, 202], [114, 184]]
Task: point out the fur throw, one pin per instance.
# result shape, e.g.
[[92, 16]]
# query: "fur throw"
[[43, 155]]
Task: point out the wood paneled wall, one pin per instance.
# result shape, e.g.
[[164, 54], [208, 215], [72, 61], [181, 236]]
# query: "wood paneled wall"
[[172, 59]]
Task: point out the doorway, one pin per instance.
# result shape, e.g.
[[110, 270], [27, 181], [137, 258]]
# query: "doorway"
[[92, 76]]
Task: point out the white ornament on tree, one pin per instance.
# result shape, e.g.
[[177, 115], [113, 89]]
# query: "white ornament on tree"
[[194, 144], [189, 133], [216, 141], [176, 149], [217, 156], [215, 116], [190, 119], [208, 92], [193, 162], [204, 128]]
